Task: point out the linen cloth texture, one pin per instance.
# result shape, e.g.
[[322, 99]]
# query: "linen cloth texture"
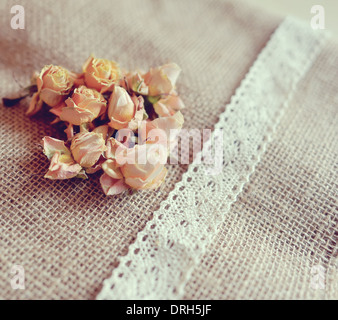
[[68, 236]]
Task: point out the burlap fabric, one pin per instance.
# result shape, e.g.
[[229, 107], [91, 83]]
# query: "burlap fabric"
[[68, 236]]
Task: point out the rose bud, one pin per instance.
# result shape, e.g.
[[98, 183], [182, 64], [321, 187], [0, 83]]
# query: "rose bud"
[[121, 109], [62, 165], [101, 74], [54, 84], [85, 105], [87, 148], [139, 174], [169, 105], [162, 80]]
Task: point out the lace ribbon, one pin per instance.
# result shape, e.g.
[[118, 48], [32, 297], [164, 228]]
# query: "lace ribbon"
[[161, 260]]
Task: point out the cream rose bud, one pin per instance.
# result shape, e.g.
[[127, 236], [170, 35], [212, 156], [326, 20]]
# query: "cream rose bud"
[[85, 105], [162, 80], [87, 147], [147, 171], [121, 108], [54, 84], [101, 74]]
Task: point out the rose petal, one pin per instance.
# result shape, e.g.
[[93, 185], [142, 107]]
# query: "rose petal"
[[111, 169], [35, 105], [112, 186], [59, 170], [52, 145], [87, 148]]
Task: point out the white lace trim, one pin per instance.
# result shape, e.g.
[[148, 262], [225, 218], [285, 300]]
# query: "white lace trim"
[[160, 262]]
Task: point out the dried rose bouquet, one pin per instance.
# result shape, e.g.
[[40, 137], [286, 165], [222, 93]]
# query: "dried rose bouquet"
[[116, 121]]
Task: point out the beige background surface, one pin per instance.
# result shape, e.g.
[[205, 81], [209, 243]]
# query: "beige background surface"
[[301, 9]]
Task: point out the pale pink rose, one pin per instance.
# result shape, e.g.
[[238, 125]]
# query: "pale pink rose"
[[62, 165], [168, 105], [111, 186], [113, 146], [85, 105], [54, 84], [162, 80], [111, 168], [124, 111], [96, 167], [101, 74], [87, 148], [112, 181], [61, 170], [143, 167], [161, 130], [103, 131], [78, 79]]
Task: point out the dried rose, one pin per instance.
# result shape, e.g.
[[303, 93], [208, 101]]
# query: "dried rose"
[[142, 166], [124, 111], [113, 146], [54, 84], [87, 148], [168, 105], [111, 168], [85, 105], [161, 130], [101, 74], [62, 165], [112, 181], [111, 186], [162, 80]]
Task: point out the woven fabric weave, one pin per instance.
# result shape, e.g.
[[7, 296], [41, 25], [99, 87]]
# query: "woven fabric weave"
[[68, 236]]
